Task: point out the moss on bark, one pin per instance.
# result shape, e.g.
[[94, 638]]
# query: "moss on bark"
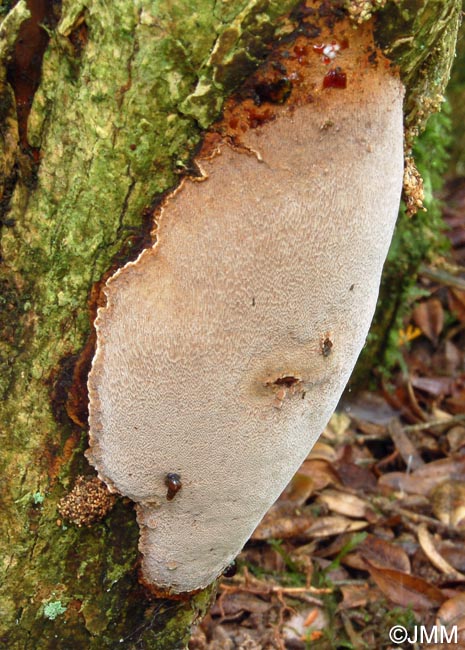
[[126, 90]]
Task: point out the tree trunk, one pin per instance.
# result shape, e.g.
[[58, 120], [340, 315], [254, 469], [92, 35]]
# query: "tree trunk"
[[120, 101]]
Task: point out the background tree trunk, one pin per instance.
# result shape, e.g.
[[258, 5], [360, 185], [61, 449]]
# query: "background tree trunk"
[[120, 101]]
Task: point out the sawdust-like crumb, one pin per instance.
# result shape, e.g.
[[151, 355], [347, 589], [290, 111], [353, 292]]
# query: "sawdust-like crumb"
[[414, 193], [88, 502]]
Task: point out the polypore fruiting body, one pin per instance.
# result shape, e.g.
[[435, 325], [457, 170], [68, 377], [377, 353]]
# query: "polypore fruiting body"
[[222, 351]]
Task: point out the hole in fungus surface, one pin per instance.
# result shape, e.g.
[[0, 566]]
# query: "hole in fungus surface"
[[286, 381]]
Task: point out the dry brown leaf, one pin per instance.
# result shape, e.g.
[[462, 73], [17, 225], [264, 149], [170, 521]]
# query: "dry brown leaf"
[[406, 590], [456, 403], [231, 604], [448, 502], [322, 451], [456, 300], [299, 489], [321, 472], [381, 554], [456, 437], [435, 386], [403, 482], [337, 425], [429, 317], [404, 445], [433, 555], [345, 504], [334, 525], [426, 478], [355, 596], [454, 553], [355, 476], [452, 612], [282, 521], [371, 407]]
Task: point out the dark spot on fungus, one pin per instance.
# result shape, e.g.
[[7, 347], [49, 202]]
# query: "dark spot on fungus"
[[174, 484], [326, 346], [230, 570], [335, 79], [352, 286]]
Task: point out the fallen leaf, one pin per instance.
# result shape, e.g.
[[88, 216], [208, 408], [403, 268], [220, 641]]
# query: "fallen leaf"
[[404, 445], [345, 504], [426, 478], [322, 451], [456, 403], [454, 553], [381, 554], [429, 317], [354, 596], [338, 424], [229, 605], [437, 386], [436, 559], [448, 502], [370, 407], [282, 521], [456, 437], [452, 612], [334, 525], [321, 472], [406, 590], [456, 300], [355, 476], [299, 489]]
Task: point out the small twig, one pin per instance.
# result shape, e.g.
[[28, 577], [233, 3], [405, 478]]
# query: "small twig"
[[389, 507], [442, 277], [412, 428]]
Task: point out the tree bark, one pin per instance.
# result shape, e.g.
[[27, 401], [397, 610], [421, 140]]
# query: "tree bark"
[[119, 105]]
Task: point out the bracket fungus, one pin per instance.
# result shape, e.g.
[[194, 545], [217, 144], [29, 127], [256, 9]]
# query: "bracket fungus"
[[222, 350]]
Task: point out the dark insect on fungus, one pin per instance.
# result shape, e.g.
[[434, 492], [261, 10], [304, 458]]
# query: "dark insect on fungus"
[[326, 346], [174, 484]]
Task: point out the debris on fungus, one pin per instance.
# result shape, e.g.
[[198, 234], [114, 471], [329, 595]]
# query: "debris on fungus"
[[413, 190], [88, 502], [209, 363]]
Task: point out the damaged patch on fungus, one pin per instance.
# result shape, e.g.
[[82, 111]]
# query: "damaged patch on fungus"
[[210, 368]]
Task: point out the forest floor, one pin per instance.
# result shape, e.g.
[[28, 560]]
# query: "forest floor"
[[366, 546]]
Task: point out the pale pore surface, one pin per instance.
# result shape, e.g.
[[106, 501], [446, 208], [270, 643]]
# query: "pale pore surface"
[[254, 268]]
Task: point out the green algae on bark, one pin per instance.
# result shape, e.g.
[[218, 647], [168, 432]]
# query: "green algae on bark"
[[107, 122], [420, 37]]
